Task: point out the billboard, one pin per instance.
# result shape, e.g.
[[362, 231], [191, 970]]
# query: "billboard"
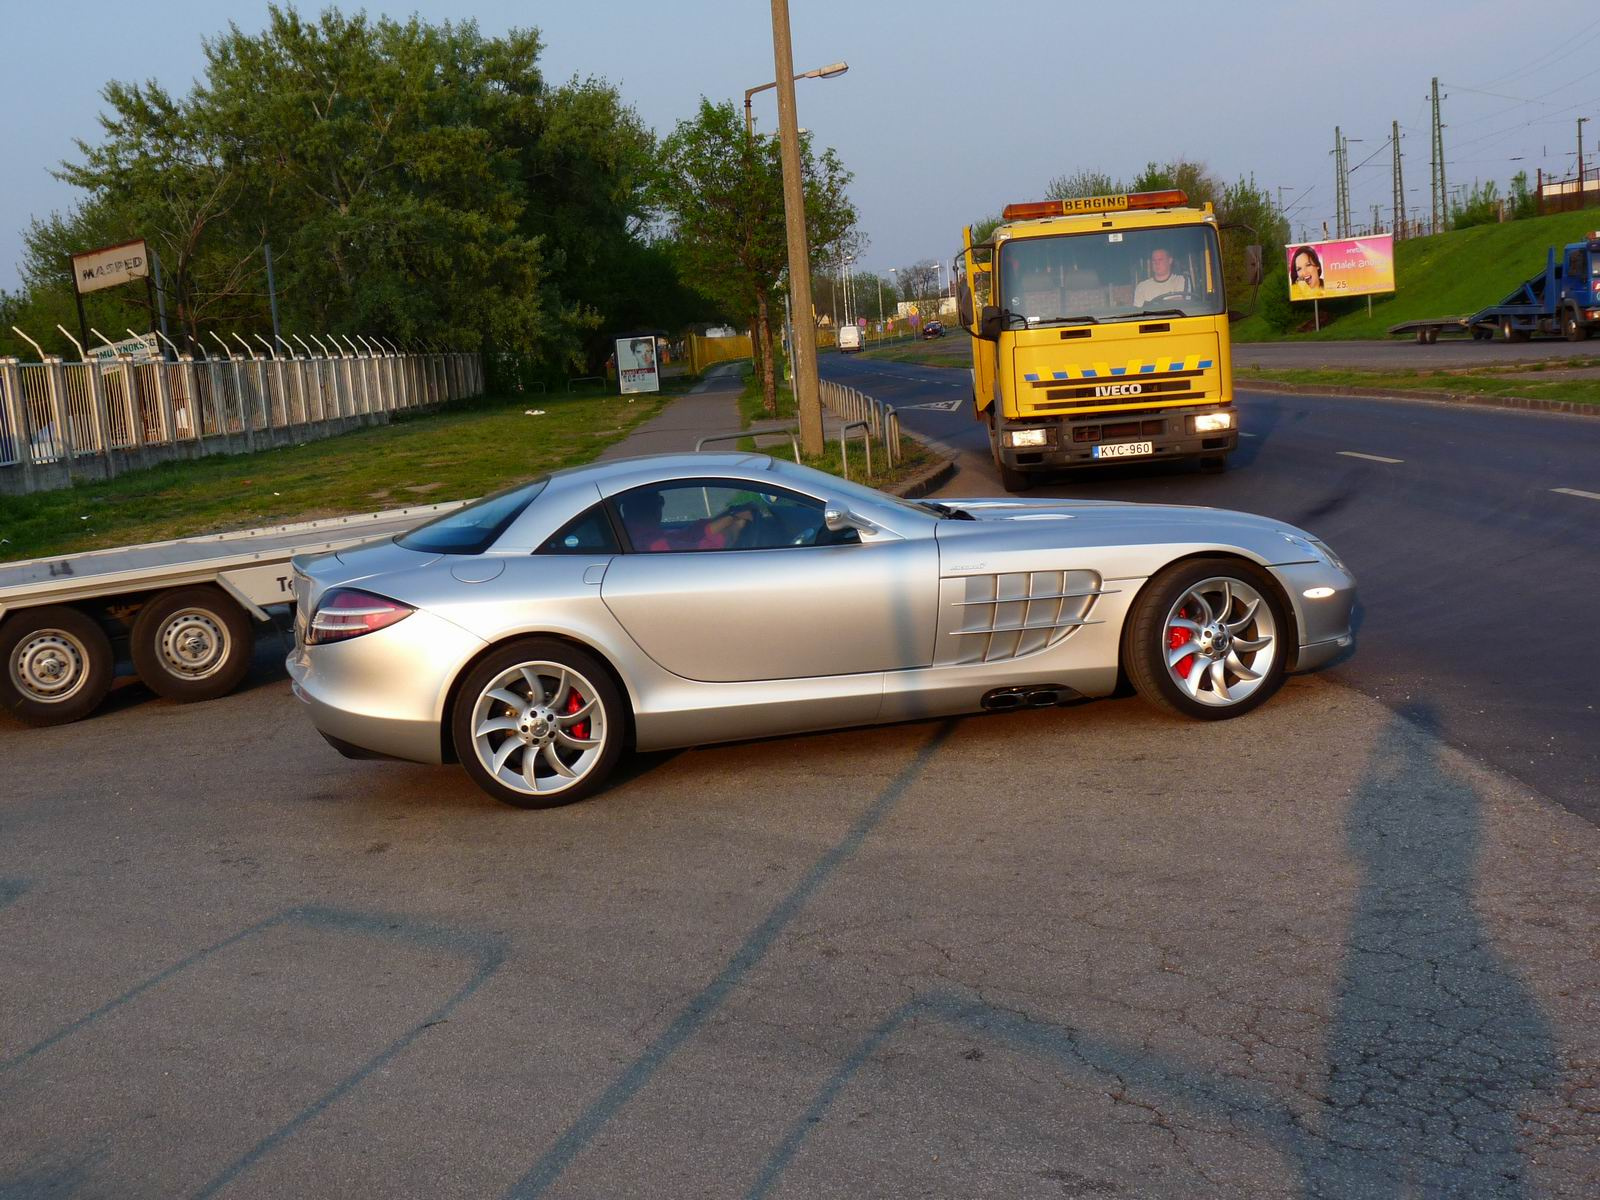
[[109, 266], [636, 365], [1351, 267]]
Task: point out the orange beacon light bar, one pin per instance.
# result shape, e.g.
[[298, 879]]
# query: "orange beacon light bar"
[[1172, 198]]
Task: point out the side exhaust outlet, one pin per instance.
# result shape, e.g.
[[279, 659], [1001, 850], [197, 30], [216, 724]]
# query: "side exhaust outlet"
[[1034, 696]]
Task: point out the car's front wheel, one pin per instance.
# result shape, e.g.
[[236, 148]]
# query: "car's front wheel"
[[1207, 639], [539, 723]]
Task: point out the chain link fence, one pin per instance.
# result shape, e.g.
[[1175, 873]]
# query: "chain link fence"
[[62, 422]]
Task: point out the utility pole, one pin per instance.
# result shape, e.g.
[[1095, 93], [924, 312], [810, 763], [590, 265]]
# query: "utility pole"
[[807, 395], [1399, 210], [1581, 120], [1441, 194], [1341, 214]]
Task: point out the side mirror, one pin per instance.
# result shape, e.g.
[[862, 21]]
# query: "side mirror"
[[992, 324], [963, 301], [837, 519], [1252, 265]]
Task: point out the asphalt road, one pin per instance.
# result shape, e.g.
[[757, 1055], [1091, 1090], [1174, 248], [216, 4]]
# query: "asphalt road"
[[1474, 534], [1315, 953], [1084, 952]]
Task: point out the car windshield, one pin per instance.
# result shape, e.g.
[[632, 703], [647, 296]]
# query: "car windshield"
[[473, 529], [1111, 275]]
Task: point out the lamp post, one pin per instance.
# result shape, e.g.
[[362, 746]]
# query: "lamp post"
[[827, 72]]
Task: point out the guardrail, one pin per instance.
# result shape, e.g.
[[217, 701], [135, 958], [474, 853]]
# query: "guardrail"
[[61, 422], [874, 418], [792, 434]]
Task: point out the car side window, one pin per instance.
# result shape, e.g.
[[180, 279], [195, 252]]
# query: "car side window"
[[590, 533], [719, 514]]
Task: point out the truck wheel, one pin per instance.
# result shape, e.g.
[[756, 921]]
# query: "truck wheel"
[[1214, 464], [192, 644], [1510, 332], [58, 665], [1574, 329]]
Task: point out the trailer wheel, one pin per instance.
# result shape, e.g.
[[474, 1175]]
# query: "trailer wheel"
[[1573, 329], [1510, 332], [192, 644], [58, 665]]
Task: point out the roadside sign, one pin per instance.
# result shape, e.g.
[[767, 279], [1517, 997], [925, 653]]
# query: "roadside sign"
[[861, 322], [636, 365], [140, 349], [110, 266]]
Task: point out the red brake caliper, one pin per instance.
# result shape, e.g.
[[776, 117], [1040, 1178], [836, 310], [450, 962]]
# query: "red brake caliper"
[[581, 729], [1181, 637]]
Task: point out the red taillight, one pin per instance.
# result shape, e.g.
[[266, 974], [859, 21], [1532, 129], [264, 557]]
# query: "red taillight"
[[345, 613]]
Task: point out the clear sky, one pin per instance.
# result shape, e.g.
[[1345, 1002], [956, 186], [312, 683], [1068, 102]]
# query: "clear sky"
[[951, 110]]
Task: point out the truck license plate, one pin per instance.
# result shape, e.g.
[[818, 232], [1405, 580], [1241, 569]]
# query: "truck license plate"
[[1124, 449]]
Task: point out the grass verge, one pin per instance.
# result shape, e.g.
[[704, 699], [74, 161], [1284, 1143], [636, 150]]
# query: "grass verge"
[[1518, 381], [470, 449]]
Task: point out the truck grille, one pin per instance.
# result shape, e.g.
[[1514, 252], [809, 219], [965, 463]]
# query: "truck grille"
[[1165, 387]]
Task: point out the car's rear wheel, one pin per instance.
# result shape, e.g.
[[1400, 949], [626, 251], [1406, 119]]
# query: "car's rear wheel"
[[1207, 639], [539, 723]]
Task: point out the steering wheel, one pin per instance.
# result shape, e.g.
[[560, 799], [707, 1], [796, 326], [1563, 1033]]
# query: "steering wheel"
[[1183, 295]]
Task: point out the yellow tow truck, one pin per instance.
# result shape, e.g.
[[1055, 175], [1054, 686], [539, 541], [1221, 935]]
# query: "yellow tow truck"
[[1100, 334]]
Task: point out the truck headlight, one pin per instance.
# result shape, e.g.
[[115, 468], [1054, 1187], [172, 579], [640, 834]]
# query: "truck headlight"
[[1027, 437], [1212, 422]]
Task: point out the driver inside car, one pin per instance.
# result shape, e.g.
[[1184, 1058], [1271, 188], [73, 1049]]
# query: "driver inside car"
[[1162, 282]]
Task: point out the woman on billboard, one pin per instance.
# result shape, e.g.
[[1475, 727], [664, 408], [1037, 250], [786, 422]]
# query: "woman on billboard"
[[1307, 269]]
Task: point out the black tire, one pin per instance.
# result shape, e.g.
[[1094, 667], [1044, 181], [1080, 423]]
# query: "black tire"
[[591, 676], [192, 643], [58, 665], [1145, 639], [1510, 332], [1573, 329]]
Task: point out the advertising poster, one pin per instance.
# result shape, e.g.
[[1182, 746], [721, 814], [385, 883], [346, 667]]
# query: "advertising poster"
[[636, 365], [1350, 267]]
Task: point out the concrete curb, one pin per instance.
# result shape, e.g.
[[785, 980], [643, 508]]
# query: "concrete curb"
[[929, 479], [1471, 399]]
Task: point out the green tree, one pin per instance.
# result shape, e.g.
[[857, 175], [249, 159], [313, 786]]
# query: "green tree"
[[413, 180], [1521, 198], [720, 192], [1081, 183]]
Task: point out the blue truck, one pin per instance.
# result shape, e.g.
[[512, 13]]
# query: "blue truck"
[[1562, 300]]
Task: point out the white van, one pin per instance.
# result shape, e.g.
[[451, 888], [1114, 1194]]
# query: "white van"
[[850, 338]]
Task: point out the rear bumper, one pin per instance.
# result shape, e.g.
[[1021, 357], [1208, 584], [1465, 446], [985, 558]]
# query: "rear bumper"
[[1072, 439], [384, 692]]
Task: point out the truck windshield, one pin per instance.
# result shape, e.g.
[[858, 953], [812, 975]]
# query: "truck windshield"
[[1111, 275]]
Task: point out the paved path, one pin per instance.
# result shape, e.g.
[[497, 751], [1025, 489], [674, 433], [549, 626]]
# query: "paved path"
[[712, 407]]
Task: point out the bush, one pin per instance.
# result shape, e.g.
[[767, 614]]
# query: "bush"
[[1274, 306]]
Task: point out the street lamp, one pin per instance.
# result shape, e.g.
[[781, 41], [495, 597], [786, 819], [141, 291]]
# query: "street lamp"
[[827, 72]]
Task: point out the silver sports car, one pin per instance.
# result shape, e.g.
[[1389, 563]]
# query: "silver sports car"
[[677, 600]]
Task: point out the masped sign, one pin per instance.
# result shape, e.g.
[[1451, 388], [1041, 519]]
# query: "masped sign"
[[109, 266], [636, 365], [1353, 267]]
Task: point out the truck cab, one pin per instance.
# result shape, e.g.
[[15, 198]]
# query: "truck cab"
[[1100, 334]]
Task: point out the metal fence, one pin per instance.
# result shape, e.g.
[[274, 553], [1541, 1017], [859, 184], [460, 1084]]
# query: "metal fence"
[[875, 420], [61, 422]]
